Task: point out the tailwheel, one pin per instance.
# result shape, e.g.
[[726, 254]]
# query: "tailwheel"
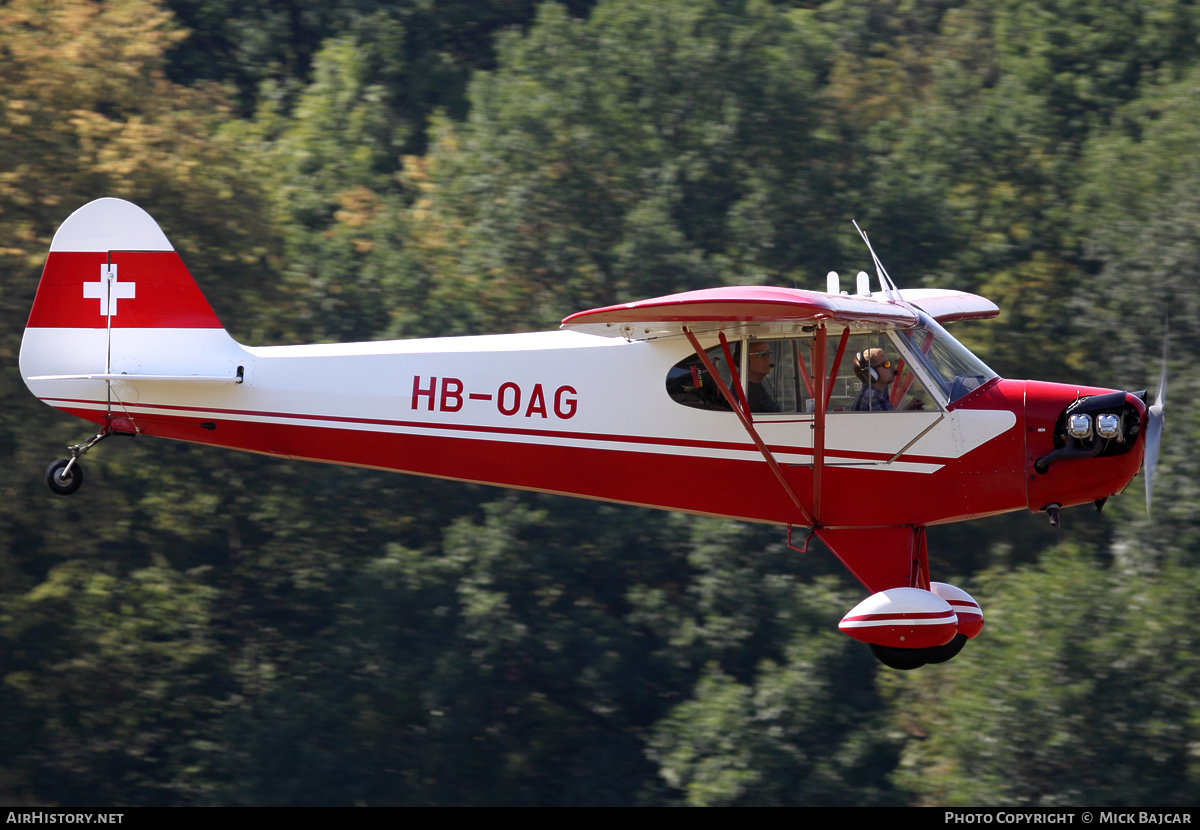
[[64, 477], [907, 659]]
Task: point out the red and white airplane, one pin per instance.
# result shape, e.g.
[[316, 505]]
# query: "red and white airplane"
[[857, 417]]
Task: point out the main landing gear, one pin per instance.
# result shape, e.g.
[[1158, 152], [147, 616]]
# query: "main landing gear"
[[65, 475], [907, 628]]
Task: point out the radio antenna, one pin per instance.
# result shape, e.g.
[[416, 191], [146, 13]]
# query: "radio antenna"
[[885, 279]]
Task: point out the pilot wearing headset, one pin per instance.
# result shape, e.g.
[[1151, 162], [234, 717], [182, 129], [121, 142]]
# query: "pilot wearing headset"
[[877, 372]]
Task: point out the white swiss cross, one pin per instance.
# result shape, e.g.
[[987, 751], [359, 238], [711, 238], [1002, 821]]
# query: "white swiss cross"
[[100, 290]]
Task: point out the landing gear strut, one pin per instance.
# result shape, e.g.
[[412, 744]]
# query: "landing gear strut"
[[65, 475]]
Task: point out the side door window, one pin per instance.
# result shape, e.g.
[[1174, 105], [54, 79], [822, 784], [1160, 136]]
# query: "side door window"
[[874, 377], [689, 382], [770, 377], [772, 380]]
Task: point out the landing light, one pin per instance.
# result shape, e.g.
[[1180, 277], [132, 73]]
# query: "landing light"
[[1079, 426], [1108, 426]]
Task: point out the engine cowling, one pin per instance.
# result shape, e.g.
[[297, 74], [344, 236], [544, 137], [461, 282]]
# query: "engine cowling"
[[906, 618]]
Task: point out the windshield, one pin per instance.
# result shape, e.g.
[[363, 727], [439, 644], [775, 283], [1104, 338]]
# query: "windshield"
[[955, 369]]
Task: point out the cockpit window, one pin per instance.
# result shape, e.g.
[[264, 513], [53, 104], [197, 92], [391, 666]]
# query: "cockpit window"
[[778, 376], [950, 363], [892, 387], [690, 384], [769, 379]]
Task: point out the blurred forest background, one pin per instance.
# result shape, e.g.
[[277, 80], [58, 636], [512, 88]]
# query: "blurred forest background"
[[198, 626]]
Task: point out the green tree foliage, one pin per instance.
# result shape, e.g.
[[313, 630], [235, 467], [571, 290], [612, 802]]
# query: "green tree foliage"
[[976, 174], [1135, 209], [649, 149], [327, 167], [422, 53], [805, 731], [1078, 692], [116, 682], [524, 661]]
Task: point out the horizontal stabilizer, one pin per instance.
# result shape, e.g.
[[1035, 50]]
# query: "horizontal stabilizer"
[[140, 378]]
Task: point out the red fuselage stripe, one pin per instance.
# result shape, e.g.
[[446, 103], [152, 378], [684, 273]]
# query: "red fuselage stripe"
[[540, 433]]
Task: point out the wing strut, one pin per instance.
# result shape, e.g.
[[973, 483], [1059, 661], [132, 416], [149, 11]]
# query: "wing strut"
[[744, 417], [733, 373], [820, 404], [808, 384], [837, 364], [822, 394]]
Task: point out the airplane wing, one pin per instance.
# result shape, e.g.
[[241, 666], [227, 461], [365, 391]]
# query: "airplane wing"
[[770, 310], [947, 306]]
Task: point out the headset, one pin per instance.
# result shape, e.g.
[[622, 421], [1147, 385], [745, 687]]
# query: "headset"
[[864, 367], [864, 362]]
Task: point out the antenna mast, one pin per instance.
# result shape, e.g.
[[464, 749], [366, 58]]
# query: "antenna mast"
[[885, 279]]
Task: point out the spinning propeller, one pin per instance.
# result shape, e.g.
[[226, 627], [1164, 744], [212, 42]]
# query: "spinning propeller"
[[1154, 426]]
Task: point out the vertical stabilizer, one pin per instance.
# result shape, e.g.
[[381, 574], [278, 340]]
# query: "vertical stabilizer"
[[110, 265], [115, 299]]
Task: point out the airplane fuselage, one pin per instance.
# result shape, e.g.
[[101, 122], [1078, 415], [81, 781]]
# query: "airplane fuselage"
[[570, 413]]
